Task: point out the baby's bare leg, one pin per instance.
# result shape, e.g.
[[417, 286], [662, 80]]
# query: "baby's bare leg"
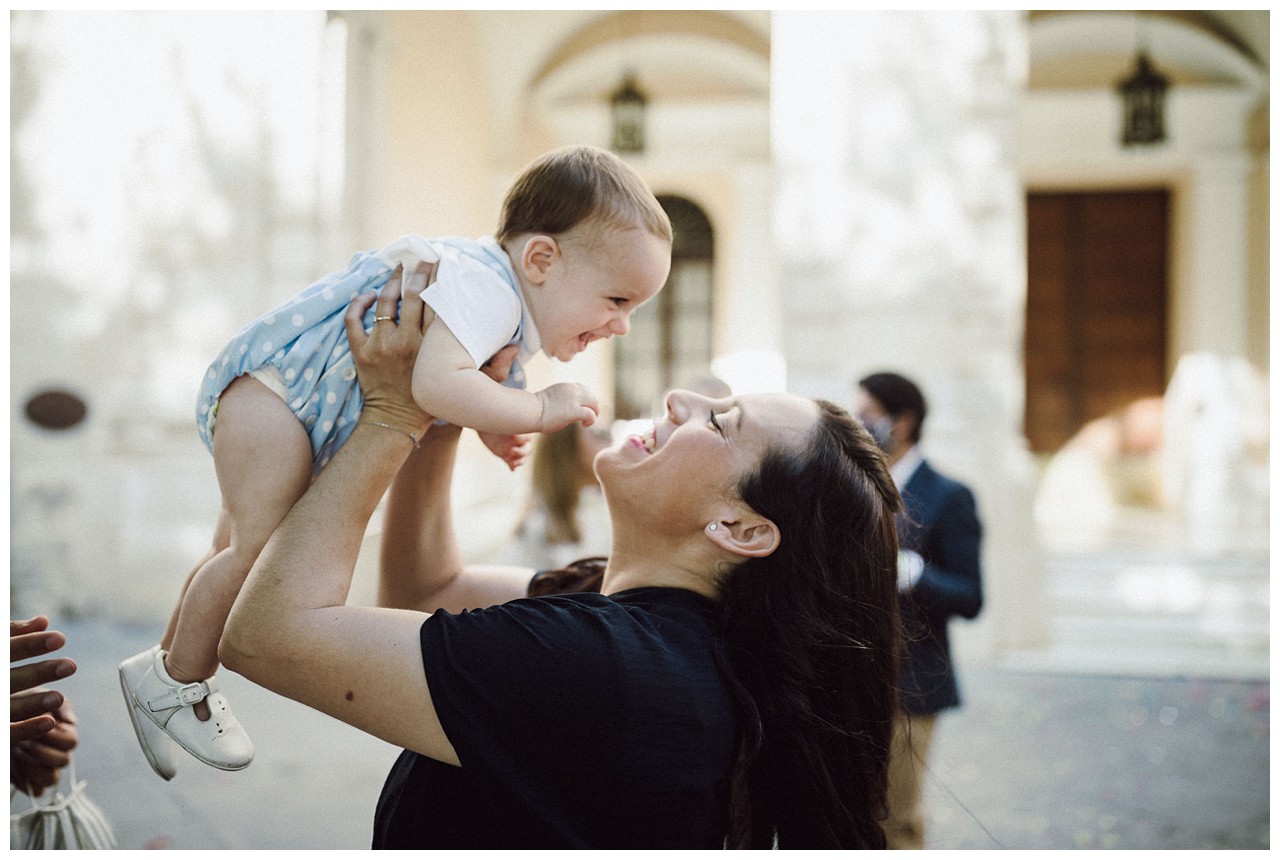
[[221, 540], [263, 459]]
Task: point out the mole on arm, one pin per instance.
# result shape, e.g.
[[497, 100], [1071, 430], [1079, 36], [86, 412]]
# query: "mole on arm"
[[350, 695]]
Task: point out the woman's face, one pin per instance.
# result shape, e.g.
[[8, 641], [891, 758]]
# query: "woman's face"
[[680, 474]]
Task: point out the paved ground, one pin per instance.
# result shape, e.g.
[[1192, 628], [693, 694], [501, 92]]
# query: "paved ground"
[[313, 783], [1039, 760], [1035, 760]]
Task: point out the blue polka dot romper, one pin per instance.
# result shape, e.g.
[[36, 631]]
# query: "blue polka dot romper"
[[300, 349]]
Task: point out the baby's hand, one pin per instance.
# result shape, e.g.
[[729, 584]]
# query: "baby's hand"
[[565, 403], [511, 450]]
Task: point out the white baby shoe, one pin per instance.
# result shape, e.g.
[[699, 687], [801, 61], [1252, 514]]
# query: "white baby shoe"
[[159, 748], [158, 702]]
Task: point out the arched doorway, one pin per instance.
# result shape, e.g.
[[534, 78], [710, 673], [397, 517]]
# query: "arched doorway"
[[671, 336]]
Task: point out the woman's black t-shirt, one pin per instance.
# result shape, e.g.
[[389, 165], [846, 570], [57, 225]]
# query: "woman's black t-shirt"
[[581, 721]]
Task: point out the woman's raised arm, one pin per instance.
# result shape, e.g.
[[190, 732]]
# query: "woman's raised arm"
[[420, 565], [290, 629]]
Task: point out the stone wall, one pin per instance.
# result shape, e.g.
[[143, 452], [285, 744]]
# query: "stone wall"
[[172, 175]]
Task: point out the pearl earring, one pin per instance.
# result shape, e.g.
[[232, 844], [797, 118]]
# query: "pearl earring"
[[712, 527]]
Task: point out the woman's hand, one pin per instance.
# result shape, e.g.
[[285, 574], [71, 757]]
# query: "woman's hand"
[[385, 356]]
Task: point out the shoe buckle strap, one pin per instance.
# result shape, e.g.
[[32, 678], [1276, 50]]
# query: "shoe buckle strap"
[[187, 694]]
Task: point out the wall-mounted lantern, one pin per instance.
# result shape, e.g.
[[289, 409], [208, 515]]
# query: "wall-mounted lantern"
[[1143, 94], [627, 105]]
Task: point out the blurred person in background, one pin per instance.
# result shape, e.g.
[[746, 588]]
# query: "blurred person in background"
[[564, 518], [939, 576]]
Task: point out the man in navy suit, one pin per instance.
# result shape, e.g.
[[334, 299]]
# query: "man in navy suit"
[[939, 575]]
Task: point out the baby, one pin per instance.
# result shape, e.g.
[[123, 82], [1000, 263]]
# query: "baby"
[[583, 243]]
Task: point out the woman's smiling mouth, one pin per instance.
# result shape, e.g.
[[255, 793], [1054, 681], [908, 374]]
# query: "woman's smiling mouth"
[[647, 440]]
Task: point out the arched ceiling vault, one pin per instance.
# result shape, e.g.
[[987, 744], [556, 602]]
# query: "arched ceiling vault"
[[679, 57], [632, 24], [1096, 49]]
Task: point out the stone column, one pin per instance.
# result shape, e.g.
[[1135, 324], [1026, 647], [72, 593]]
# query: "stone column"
[[749, 346], [366, 123], [900, 233], [1213, 311]]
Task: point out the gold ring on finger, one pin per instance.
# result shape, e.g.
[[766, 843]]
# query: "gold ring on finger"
[[380, 319]]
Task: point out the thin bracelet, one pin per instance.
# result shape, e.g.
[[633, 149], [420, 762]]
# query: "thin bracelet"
[[393, 427]]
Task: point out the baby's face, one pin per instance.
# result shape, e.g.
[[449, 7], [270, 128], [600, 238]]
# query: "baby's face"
[[594, 288]]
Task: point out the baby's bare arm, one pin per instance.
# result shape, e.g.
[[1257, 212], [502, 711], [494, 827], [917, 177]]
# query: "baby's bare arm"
[[448, 385]]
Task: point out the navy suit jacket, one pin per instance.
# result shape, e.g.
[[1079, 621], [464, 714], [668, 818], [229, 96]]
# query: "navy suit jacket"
[[940, 522]]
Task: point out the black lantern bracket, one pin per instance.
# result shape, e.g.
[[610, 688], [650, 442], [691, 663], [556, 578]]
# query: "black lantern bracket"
[[627, 106], [1143, 95]]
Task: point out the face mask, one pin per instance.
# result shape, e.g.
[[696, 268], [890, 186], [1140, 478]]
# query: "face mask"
[[881, 430]]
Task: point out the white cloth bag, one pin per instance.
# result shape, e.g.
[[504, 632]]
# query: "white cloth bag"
[[60, 819]]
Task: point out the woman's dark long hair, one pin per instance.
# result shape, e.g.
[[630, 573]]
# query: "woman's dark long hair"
[[811, 641]]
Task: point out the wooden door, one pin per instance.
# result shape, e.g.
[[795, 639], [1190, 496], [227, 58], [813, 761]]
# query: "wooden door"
[[1097, 313]]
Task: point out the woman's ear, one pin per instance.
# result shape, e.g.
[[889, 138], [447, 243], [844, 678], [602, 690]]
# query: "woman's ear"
[[751, 536], [540, 252]]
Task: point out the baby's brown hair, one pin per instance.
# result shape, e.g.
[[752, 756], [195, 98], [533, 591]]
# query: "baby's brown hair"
[[574, 185]]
